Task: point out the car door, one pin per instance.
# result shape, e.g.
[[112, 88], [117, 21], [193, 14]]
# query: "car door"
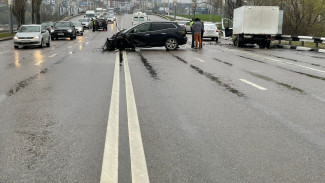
[[159, 32], [140, 35]]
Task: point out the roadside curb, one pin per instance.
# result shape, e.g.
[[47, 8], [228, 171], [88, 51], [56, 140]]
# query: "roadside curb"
[[6, 39]]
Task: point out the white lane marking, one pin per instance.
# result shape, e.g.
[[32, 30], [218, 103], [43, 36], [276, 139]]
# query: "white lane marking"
[[110, 159], [284, 62], [253, 84], [4, 52], [69, 46], [138, 160], [2, 97], [70, 52], [53, 55], [87, 43], [200, 60]]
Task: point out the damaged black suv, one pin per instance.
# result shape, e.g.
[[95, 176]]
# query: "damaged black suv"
[[149, 34]]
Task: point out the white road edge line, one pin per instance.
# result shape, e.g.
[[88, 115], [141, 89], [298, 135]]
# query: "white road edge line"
[[53, 55], [69, 46], [253, 84], [200, 60], [110, 159], [139, 169]]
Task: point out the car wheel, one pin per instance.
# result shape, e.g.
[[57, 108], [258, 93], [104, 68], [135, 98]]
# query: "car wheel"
[[49, 43], [42, 43], [171, 44], [16, 47], [217, 39], [82, 34], [52, 38], [71, 37], [75, 36]]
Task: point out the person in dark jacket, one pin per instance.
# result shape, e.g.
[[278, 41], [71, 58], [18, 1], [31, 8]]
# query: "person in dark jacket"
[[191, 24], [197, 29], [93, 24], [202, 32]]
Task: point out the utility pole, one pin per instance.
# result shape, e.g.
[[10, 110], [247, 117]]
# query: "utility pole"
[[223, 8], [175, 6], [10, 16]]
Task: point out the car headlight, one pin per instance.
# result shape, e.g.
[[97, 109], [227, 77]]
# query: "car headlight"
[[52, 30], [36, 37], [16, 38], [70, 30]]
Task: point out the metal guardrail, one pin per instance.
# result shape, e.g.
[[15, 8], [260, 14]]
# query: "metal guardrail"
[[302, 39]]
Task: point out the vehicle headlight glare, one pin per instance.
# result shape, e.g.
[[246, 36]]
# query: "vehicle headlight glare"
[[70, 30], [36, 37], [16, 38], [52, 30]]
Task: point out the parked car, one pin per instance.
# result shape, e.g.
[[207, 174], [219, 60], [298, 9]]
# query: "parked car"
[[32, 35], [149, 34], [79, 28], [211, 31], [187, 27], [101, 24], [86, 22], [64, 29], [181, 23]]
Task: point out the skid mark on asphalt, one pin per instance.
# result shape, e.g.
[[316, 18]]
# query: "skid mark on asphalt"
[[227, 63], [24, 83], [180, 59], [151, 70], [305, 74], [252, 59], [218, 81], [266, 78]]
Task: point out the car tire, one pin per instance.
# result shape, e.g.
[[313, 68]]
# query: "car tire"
[[217, 39], [171, 44], [82, 34], [75, 36], [49, 43], [16, 47], [71, 37], [42, 43], [52, 38]]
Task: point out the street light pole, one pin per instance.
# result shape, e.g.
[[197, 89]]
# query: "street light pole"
[[175, 6], [10, 17]]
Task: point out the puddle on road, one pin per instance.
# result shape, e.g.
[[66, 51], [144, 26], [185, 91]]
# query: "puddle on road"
[[218, 81], [277, 82], [180, 59], [227, 63], [24, 83], [147, 65]]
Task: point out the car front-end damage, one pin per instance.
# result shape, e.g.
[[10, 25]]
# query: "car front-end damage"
[[120, 41]]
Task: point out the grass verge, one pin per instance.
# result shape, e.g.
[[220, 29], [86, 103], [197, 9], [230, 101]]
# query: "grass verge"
[[6, 35], [204, 17]]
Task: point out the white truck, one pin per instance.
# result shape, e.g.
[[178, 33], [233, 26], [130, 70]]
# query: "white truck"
[[256, 25]]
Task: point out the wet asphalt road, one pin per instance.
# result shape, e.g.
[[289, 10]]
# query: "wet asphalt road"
[[220, 114]]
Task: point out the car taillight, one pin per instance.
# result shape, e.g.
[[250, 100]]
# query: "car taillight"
[[217, 30]]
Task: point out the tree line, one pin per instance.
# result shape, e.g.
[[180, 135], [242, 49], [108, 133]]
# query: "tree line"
[[19, 11], [301, 17]]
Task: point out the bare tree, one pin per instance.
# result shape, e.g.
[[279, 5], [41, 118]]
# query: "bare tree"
[[36, 8], [231, 5], [19, 8]]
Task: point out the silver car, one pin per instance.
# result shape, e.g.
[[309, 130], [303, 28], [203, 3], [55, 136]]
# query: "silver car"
[[79, 28], [86, 23], [211, 31], [32, 35]]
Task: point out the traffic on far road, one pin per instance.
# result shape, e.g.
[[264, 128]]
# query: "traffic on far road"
[[118, 92]]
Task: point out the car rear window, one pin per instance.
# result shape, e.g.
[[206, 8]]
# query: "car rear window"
[[135, 18], [161, 26]]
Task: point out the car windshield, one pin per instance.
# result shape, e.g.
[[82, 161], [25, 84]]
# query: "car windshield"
[[77, 24], [62, 24], [48, 24], [29, 29]]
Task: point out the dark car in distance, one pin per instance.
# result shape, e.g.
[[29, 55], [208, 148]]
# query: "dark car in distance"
[[149, 34], [64, 29], [101, 24]]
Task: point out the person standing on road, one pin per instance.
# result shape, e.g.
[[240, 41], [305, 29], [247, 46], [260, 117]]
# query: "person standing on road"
[[191, 25], [93, 23], [197, 29], [202, 32]]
